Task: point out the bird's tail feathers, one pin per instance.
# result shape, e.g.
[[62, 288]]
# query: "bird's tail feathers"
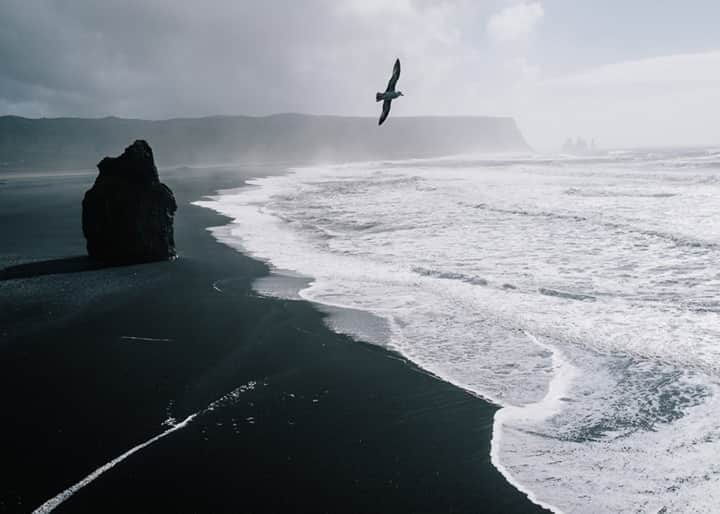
[[378, 97]]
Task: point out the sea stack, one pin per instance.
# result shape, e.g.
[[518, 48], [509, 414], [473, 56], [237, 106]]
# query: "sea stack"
[[127, 216]]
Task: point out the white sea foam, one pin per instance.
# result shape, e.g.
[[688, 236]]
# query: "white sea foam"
[[581, 295]]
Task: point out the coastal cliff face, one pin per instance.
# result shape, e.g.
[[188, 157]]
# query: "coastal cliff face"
[[69, 142], [127, 216]]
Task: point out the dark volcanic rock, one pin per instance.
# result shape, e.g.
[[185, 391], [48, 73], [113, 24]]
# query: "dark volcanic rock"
[[128, 214]]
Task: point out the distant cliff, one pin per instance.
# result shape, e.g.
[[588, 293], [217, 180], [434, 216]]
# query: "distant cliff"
[[77, 143]]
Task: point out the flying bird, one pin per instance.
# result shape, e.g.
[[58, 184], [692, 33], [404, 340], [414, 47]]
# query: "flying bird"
[[390, 94]]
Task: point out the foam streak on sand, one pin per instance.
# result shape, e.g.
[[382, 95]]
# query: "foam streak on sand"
[[55, 502], [146, 339]]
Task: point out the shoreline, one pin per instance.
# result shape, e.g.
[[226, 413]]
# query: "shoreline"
[[288, 285], [336, 425], [348, 321]]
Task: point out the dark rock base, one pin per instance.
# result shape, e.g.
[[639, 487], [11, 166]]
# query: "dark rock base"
[[128, 213]]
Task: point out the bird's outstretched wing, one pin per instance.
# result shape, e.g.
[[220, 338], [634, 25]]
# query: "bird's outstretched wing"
[[385, 112], [395, 76]]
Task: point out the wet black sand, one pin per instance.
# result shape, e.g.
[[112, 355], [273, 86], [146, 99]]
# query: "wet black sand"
[[331, 425]]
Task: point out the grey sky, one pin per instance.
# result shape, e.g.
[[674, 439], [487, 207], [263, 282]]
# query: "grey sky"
[[629, 73]]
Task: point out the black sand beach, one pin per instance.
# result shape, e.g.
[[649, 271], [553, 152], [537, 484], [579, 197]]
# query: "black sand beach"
[[94, 361]]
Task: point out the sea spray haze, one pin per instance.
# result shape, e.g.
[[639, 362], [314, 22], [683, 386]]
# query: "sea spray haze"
[[581, 295]]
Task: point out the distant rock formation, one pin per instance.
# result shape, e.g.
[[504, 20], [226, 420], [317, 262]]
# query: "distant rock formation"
[[579, 147], [127, 216]]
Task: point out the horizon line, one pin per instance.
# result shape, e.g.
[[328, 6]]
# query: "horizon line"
[[260, 116]]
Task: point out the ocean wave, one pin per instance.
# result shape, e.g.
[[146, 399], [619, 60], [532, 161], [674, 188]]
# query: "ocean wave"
[[588, 317], [675, 239], [566, 294], [451, 275], [617, 194]]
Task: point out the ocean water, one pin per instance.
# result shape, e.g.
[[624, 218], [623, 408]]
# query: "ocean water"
[[580, 295]]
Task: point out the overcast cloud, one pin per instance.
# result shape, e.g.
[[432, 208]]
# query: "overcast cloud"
[[628, 75]]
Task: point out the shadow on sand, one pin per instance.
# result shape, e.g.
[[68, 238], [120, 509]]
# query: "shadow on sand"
[[51, 267]]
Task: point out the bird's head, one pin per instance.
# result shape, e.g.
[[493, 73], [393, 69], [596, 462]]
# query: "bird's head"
[[400, 93]]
